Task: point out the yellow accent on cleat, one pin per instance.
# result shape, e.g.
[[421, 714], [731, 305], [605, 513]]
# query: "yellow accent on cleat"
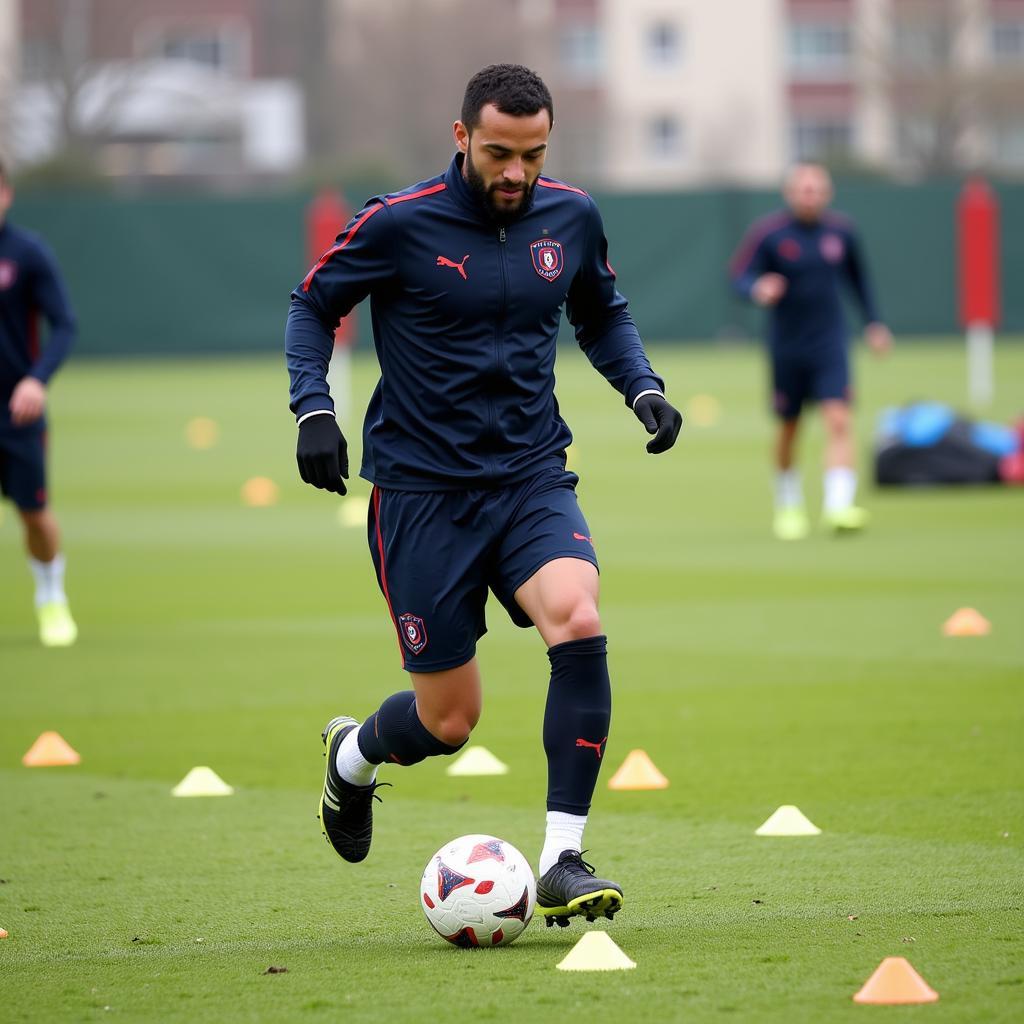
[[56, 627], [846, 520], [791, 523], [593, 904]]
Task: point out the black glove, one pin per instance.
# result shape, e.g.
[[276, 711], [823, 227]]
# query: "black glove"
[[659, 418], [322, 453]]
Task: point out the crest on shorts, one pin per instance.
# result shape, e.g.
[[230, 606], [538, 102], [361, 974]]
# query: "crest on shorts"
[[832, 248], [414, 633], [8, 274], [546, 254]]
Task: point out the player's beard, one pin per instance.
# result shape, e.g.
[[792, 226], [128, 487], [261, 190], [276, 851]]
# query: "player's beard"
[[501, 216]]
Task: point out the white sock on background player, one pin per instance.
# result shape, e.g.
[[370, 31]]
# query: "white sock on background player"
[[840, 488], [351, 764], [563, 832], [789, 492], [49, 577]]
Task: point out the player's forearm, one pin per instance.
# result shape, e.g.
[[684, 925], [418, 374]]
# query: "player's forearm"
[[617, 353], [743, 284], [62, 338], [308, 344]]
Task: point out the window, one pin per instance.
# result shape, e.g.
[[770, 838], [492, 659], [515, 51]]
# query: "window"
[[581, 51], [219, 46], [664, 45], [821, 136], [819, 47], [666, 137], [1008, 41]]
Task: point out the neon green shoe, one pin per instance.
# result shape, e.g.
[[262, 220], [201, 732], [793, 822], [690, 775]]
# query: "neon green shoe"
[[56, 627], [846, 520], [791, 523]]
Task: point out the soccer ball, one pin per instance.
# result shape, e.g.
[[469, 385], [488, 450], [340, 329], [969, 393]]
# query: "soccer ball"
[[478, 891]]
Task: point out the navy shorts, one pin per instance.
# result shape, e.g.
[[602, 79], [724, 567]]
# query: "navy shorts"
[[437, 554], [797, 380], [23, 465]]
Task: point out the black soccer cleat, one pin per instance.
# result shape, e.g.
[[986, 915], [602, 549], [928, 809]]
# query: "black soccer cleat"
[[569, 888], [346, 811]]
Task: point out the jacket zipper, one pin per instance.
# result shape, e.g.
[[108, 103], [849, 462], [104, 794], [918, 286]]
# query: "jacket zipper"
[[499, 353]]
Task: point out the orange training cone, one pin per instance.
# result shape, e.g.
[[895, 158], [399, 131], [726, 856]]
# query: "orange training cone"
[[49, 750], [3, 933], [637, 772], [967, 622], [895, 981]]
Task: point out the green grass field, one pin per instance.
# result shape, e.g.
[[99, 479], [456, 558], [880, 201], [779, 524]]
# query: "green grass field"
[[754, 673]]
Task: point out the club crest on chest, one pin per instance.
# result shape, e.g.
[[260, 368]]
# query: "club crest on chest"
[[547, 258]]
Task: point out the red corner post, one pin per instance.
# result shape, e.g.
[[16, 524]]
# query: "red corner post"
[[978, 245], [326, 215]]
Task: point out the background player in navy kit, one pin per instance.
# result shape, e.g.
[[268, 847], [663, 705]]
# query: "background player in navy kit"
[[468, 273], [30, 284], [796, 262]]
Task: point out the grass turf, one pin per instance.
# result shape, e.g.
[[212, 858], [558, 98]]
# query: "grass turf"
[[754, 673]]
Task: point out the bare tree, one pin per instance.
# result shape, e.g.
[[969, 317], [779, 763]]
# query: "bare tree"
[[934, 69]]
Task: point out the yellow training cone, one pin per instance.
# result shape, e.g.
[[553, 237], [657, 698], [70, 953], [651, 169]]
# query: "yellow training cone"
[[477, 761], [352, 510], [259, 492], [201, 433], [596, 951], [637, 772], [703, 410], [50, 750], [967, 622], [202, 781], [788, 821], [895, 981]]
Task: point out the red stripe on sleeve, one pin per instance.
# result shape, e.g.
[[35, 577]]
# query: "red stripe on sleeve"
[[440, 187], [752, 239], [341, 245], [560, 185]]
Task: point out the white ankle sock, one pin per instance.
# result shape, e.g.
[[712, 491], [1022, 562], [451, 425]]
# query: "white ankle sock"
[[49, 578], [351, 764], [840, 488], [563, 832], [788, 490]]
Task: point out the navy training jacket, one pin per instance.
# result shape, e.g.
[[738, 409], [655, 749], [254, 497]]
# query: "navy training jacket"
[[465, 323], [30, 286], [816, 259]]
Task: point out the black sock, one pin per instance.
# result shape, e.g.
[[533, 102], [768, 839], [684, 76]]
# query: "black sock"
[[396, 734], [576, 719]]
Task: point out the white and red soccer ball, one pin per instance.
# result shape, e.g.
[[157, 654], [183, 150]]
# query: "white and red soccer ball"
[[478, 891]]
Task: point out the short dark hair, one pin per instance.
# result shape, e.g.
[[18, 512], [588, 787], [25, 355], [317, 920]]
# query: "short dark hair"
[[512, 88]]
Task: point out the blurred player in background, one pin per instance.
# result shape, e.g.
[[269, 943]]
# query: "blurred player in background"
[[795, 263], [468, 273], [30, 285]]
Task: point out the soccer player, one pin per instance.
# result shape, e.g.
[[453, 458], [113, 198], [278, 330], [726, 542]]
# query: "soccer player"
[[795, 263], [467, 274], [30, 284]]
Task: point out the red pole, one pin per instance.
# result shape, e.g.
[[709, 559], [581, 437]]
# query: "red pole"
[[978, 220], [326, 215], [978, 251]]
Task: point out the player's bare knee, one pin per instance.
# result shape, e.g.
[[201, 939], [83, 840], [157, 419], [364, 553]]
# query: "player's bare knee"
[[583, 621], [454, 729]]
